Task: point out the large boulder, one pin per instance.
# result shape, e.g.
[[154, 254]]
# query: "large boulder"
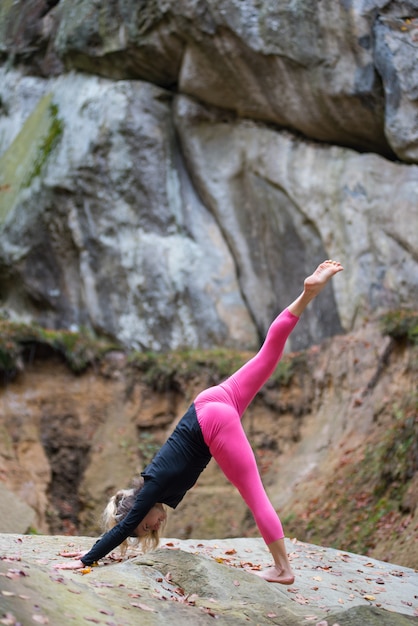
[[188, 230], [150, 186], [195, 582], [336, 72]]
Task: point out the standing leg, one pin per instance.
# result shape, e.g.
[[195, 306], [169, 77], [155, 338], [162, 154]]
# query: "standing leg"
[[230, 448]]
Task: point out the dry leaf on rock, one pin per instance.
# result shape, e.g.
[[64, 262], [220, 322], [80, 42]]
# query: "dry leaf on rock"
[[144, 607], [8, 620], [40, 619]]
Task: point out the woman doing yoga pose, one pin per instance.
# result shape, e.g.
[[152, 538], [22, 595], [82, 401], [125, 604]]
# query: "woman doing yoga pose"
[[212, 428]]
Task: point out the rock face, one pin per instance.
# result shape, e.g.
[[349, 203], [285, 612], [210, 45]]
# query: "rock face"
[[169, 172], [195, 582]]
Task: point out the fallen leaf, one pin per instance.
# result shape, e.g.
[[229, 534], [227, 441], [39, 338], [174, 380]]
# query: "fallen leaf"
[[144, 607], [180, 591], [208, 611], [15, 573], [192, 598], [300, 599], [8, 620], [40, 619], [370, 598]]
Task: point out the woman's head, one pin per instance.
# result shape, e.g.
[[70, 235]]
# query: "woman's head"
[[148, 530]]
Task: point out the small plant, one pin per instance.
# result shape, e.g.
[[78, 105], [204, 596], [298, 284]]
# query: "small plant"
[[168, 370], [147, 447], [360, 505], [79, 349], [401, 325]]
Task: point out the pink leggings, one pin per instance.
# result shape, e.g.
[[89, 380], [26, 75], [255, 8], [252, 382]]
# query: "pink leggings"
[[219, 410]]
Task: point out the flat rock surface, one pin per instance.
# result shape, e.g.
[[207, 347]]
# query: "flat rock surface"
[[193, 582]]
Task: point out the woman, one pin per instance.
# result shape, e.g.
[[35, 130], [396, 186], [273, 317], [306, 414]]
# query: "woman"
[[212, 427]]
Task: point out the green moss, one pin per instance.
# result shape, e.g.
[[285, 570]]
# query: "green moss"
[[160, 371], [167, 371], [25, 158], [79, 349], [147, 446], [401, 325], [48, 143], [360, 504]]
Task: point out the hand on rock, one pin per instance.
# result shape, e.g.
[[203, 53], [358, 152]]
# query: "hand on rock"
[[76, 564]]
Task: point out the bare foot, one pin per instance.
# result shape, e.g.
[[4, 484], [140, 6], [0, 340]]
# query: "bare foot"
[[316, 282], [274, 575]]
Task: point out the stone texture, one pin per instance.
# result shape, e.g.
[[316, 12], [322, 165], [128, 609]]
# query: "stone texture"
[[193, 583], [16, 514], [338, 72], [297, 202], [138, 257], [200, 228], [175, 185]]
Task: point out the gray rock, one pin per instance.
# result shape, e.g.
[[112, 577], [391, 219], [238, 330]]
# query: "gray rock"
[[193, 582], [162, 244], [336, 72], [16, 516], [149, 189], [114, 236]]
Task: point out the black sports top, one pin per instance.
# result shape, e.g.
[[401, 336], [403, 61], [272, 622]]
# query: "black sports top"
[[171, 473]]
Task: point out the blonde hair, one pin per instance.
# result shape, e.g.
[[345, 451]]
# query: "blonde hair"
[[118, 508]]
